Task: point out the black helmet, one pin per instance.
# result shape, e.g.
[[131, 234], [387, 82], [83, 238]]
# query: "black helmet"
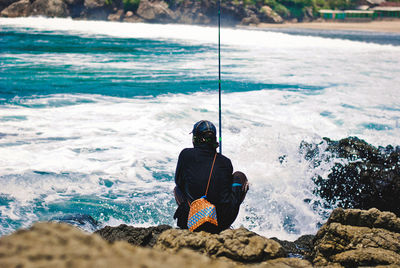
[[204, 132]]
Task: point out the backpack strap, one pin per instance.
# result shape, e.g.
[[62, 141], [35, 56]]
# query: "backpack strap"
[[209, 178]]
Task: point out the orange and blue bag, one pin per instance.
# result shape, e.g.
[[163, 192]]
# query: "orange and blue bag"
[[202, 211]]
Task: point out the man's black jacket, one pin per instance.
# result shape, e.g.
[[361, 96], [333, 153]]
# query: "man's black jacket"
[[191, 177]]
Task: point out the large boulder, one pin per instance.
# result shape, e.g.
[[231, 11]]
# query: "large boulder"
[[155, 11], [50, 8], [270, 16], [363, 176], [21, 8], [130, 17], [355, 237], [49, 245], [253, 19], [193, 12], [205, 12], [117, 16], [96, 9], [239, 244], [145, 237]]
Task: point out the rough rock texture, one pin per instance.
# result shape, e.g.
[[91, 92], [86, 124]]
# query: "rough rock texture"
[[299, 248], [96, 9], [253, 19], [268, 15], [93, 4], [193, 12], [160, 11], [363, 177], [62, 245], [350, 238], [355, 237], [239, 244], [17, 9], [117, 16], [50, 8], [285, 263], [155, 11], [145, 237]]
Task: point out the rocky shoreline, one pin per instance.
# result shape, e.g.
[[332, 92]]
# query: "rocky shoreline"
[[350, 238], [363, 176], [153, 11]]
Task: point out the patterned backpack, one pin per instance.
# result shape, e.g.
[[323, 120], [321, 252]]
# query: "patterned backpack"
[[201, 211]]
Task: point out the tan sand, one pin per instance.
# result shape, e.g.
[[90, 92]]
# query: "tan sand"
[[378, 26]]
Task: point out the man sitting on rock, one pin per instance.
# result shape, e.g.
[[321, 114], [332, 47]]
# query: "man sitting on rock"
[[226, 190]]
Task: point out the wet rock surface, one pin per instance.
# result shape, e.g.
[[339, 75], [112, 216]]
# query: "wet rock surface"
[[363, 176], [350, 238], [239, 245], [145, 237], [355, 237]]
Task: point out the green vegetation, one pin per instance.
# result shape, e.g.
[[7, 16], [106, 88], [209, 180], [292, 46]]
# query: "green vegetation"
[[302, 8], [131, 5]]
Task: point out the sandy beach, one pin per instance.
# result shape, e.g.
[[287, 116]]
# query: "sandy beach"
[[377, 26]]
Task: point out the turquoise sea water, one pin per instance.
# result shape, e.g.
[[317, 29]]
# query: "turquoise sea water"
[[94, 114]]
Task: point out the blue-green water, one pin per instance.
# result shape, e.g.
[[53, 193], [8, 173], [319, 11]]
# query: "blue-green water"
[[94, 114]]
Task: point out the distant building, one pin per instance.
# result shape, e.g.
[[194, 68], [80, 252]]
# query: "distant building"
[[387, 10], [347, 15], [374, 2], [377, 9]]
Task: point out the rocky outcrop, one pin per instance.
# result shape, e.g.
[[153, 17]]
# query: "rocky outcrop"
[[363, 177], [268, 15], [21, 8], [239, 245], [350, 238], [50, 8], [159, 11], [117, 16], [155, 11], [355, 237], [62, 245], [301, 247], [131, 17], [96, 9], [145, 237]]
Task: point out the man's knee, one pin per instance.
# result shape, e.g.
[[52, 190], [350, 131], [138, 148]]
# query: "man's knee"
[[240, 177]]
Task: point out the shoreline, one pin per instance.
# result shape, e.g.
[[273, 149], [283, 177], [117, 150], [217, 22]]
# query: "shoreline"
[[374, 26], [392, 26]]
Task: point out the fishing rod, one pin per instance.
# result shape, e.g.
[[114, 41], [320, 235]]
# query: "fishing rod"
[[219, 75]]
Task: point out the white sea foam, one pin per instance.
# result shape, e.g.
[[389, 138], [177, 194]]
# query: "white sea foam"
[[199, 34], [127, 140], [340, 88]]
